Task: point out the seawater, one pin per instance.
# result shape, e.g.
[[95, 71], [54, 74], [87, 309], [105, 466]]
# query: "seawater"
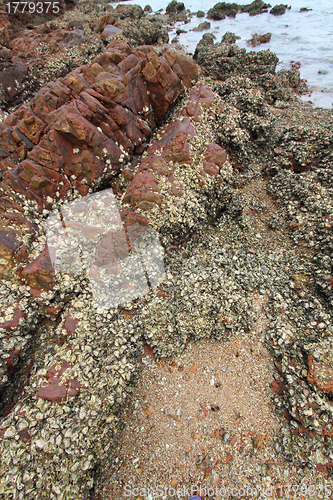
[[306, 37]]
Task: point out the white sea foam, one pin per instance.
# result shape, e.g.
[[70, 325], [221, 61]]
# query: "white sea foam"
[[306, 37]]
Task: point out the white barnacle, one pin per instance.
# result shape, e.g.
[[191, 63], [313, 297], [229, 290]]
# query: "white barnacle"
[[76, 150]]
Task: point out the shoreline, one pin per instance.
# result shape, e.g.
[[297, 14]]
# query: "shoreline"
[[178, 150]]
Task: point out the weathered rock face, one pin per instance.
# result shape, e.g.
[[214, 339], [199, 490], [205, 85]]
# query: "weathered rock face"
[[15, 20], [101, 111], [77, 132], [176, 11], [74, 135], [174, 7], [256, 7], [221, 10], [228, 37], [183, 164], [29, 59], [128, 11], [71, 138], [109, 31], [35, 58]]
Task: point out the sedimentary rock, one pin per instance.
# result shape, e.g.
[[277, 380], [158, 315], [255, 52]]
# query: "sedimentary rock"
[[34, 58], [74, 136]]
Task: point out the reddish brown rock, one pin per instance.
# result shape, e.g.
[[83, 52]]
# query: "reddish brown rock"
[[215, 154], [320, 371], [71, 324], [214, 157], [173, 146], [52, 312], [103, 21], [200, 97], [39, 273], [54, 390], [174, 141], [74, 134], [26, 62], [24, 435], [72, 127], [8, 244], [11, 79], [14, 322], [163, 79], [186, 69], [109, 31]]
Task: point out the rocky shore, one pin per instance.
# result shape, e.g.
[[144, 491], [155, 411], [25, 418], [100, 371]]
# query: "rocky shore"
[[104, 103]]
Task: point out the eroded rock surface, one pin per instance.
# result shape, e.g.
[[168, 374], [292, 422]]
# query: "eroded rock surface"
[[67, 365], [74, 136]]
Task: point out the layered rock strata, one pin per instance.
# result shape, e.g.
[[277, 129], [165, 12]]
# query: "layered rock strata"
[[73, 136], [66, 364]]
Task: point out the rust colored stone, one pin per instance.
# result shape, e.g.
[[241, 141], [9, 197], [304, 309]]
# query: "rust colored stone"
[[185, 68], [215, 154], [13, 323], [320, 372], [192, 109], [8, 245], [24, 435], [31, 127], [53, 312], [103, 21], [71, 324], [89, 110], [210, 169], [53, 390], [73, 387], [39, 274], [143, 191]]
